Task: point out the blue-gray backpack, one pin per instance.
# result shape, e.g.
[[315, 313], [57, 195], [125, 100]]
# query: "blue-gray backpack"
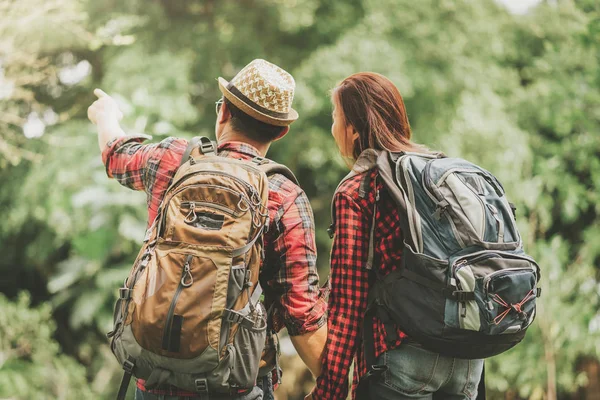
[[465, 288]]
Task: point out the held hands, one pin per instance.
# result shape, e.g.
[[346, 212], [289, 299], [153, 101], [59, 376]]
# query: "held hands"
[[104, 111]]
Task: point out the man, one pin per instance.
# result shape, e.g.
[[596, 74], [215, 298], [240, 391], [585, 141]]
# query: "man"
[[255, 111]]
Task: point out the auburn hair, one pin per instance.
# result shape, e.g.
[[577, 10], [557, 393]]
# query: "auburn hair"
[[374, 108]]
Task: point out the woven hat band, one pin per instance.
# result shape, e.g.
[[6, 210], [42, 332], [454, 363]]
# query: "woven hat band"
[[251, 103]]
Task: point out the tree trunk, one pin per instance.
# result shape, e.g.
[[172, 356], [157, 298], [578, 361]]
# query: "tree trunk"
[[591, 367], [550, 369]]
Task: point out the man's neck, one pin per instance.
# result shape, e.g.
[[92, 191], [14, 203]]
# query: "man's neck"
[[230, 135]]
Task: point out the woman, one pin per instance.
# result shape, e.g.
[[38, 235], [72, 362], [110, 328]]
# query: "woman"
[[369, 113]]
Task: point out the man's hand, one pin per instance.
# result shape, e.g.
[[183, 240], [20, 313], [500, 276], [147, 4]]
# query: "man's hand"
[[105, 110], [105, 113]]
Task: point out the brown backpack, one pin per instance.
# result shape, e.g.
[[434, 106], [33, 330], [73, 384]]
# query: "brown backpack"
[[190, 313]]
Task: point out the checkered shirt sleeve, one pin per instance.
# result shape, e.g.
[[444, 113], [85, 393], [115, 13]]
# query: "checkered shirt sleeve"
[[147, 167], [290, 270], [350, 281]]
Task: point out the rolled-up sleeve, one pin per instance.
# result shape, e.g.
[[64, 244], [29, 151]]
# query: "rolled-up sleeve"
[[125, 159]]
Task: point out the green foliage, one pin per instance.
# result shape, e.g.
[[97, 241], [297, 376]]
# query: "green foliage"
[[517, 94], [31, 363]]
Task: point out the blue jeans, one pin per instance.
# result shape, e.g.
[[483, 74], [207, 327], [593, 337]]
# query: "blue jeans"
[[262, 391], [416, 373]]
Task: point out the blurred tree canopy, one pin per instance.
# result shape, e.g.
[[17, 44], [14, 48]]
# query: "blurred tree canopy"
[[518, 94]]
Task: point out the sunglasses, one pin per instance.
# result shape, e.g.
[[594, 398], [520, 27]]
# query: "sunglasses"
[[218, 105]]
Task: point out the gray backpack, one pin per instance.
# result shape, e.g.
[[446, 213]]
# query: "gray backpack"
[[465, 288]]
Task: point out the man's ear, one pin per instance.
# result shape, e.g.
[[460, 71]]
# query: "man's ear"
[[224, 114], [284, 132]]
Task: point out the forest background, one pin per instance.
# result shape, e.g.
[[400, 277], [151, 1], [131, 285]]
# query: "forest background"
[[517, 93]]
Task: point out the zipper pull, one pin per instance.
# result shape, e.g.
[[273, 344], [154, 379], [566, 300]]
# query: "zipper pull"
[[440, 209], [187, 279], [377, 195], [499, 223], [191, 217], [255, 198]]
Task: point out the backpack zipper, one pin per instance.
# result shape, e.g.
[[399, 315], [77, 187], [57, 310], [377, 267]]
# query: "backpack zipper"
[[488, 278], [214, 172], [216, 206], [186, 281], [250, 188]]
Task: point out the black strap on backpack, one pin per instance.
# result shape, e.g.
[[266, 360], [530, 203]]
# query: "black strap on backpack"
[[128, 366], [374, 370]]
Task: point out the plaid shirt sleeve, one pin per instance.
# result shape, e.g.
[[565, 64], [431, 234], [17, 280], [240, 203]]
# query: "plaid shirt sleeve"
[[291, 252], [148, 167], [348, 298]]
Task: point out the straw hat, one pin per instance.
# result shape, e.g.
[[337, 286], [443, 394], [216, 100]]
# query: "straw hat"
[[264, 91]]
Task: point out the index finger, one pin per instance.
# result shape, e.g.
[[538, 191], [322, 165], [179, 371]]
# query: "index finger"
[[100, 93]]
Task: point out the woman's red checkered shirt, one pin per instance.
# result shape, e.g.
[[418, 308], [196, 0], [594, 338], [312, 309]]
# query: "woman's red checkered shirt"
[[349, 281], [289, 274]]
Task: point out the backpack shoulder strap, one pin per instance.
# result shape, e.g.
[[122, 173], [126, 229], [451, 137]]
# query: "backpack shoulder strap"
[[270, 167], [205, 144], [365, 162]]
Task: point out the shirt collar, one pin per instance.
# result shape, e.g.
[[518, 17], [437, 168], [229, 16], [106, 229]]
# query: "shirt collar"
[[239, 147]]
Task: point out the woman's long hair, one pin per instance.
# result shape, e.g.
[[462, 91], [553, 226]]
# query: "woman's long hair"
[[373, 106]]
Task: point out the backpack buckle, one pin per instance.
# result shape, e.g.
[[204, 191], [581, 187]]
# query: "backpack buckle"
[[331, 231], [128, 365], [237, 318], [462, 296], [201, 385], [206, 145], [125, 293], [233, 317], [260, 160]]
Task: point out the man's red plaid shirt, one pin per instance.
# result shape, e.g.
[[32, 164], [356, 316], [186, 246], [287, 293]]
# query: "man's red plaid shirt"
[[350, 281], [289, 276]]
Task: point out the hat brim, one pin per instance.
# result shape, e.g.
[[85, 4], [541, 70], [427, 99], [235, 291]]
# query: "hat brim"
[[292, 115]]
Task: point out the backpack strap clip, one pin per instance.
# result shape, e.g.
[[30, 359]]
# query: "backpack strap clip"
[[201, 385], [128, 365], [125, 293], [235, 317], [207, 147], [462, 296], [260, 160], [331, 231]]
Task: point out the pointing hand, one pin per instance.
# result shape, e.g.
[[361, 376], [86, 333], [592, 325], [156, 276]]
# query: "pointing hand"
[[104, 110]]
